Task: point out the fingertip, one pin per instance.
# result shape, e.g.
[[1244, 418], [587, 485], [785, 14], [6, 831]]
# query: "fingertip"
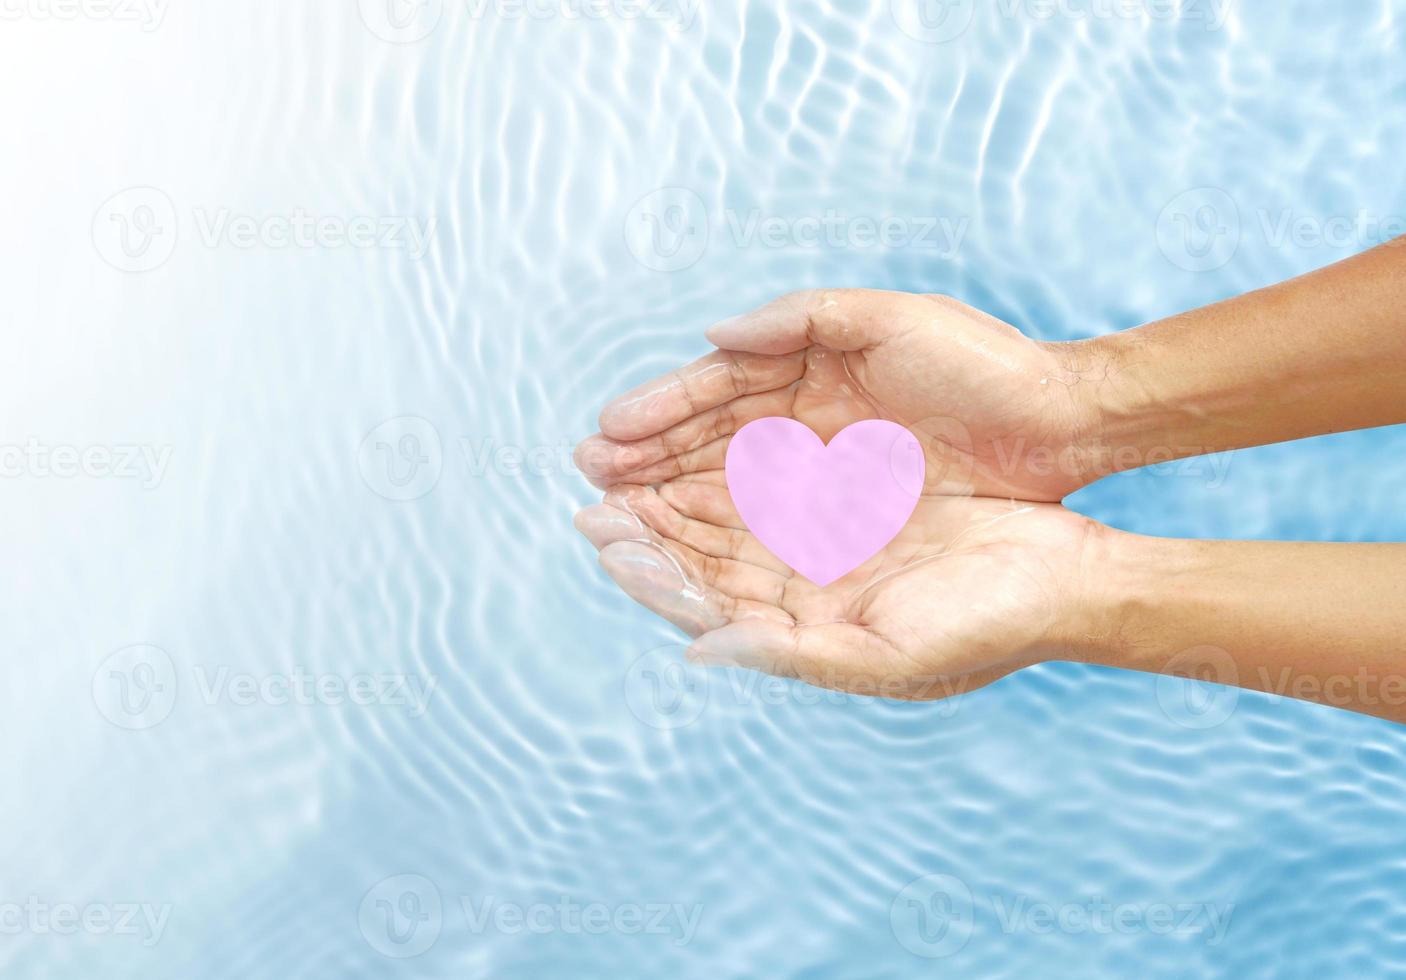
[[755, 333], [641, 412], [707, 651], [591, 457], [630, 495], [648, 574], [641, 567], [779, 327], [612, 422], [744, 643], [726, 331], [604, 525]]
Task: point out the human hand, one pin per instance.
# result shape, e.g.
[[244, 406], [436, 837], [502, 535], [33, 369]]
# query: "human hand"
[[998, 414], [971, 589]]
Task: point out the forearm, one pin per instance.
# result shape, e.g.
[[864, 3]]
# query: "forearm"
[[1319, 622], [1322, 353]]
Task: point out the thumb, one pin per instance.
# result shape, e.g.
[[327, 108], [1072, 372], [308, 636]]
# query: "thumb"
[[841, 319]]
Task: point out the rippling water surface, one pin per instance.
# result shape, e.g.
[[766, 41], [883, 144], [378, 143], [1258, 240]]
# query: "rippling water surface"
[[312, 677]]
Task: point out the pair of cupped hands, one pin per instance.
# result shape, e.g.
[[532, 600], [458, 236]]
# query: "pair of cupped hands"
[[989, 575]]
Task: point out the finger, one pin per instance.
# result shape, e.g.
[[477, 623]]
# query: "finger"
[[703, 497], [840, 656], [691, 390], [604, 460], [707, 457], [841, 319], [652, 577], [709, 540], [619, 520], [738, 579], [603, 524]]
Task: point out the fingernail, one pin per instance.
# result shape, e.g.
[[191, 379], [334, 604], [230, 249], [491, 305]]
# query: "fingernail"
[[725, 331]]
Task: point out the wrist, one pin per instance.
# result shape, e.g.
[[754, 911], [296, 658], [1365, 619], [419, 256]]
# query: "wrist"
[[1116, 594], [1100, 418]]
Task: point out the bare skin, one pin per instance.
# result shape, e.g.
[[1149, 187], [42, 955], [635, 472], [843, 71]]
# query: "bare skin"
[[982, 398], [970, 590], [992, 574]]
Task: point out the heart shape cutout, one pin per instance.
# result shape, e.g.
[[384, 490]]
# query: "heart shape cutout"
[[824, 509]]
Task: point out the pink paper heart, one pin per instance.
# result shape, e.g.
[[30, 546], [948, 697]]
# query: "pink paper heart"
[[824, 510]]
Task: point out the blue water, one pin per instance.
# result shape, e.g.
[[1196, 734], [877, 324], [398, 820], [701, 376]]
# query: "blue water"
[[336, 691]]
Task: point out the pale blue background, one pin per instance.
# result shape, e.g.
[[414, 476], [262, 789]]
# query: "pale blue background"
[[554, 761]]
